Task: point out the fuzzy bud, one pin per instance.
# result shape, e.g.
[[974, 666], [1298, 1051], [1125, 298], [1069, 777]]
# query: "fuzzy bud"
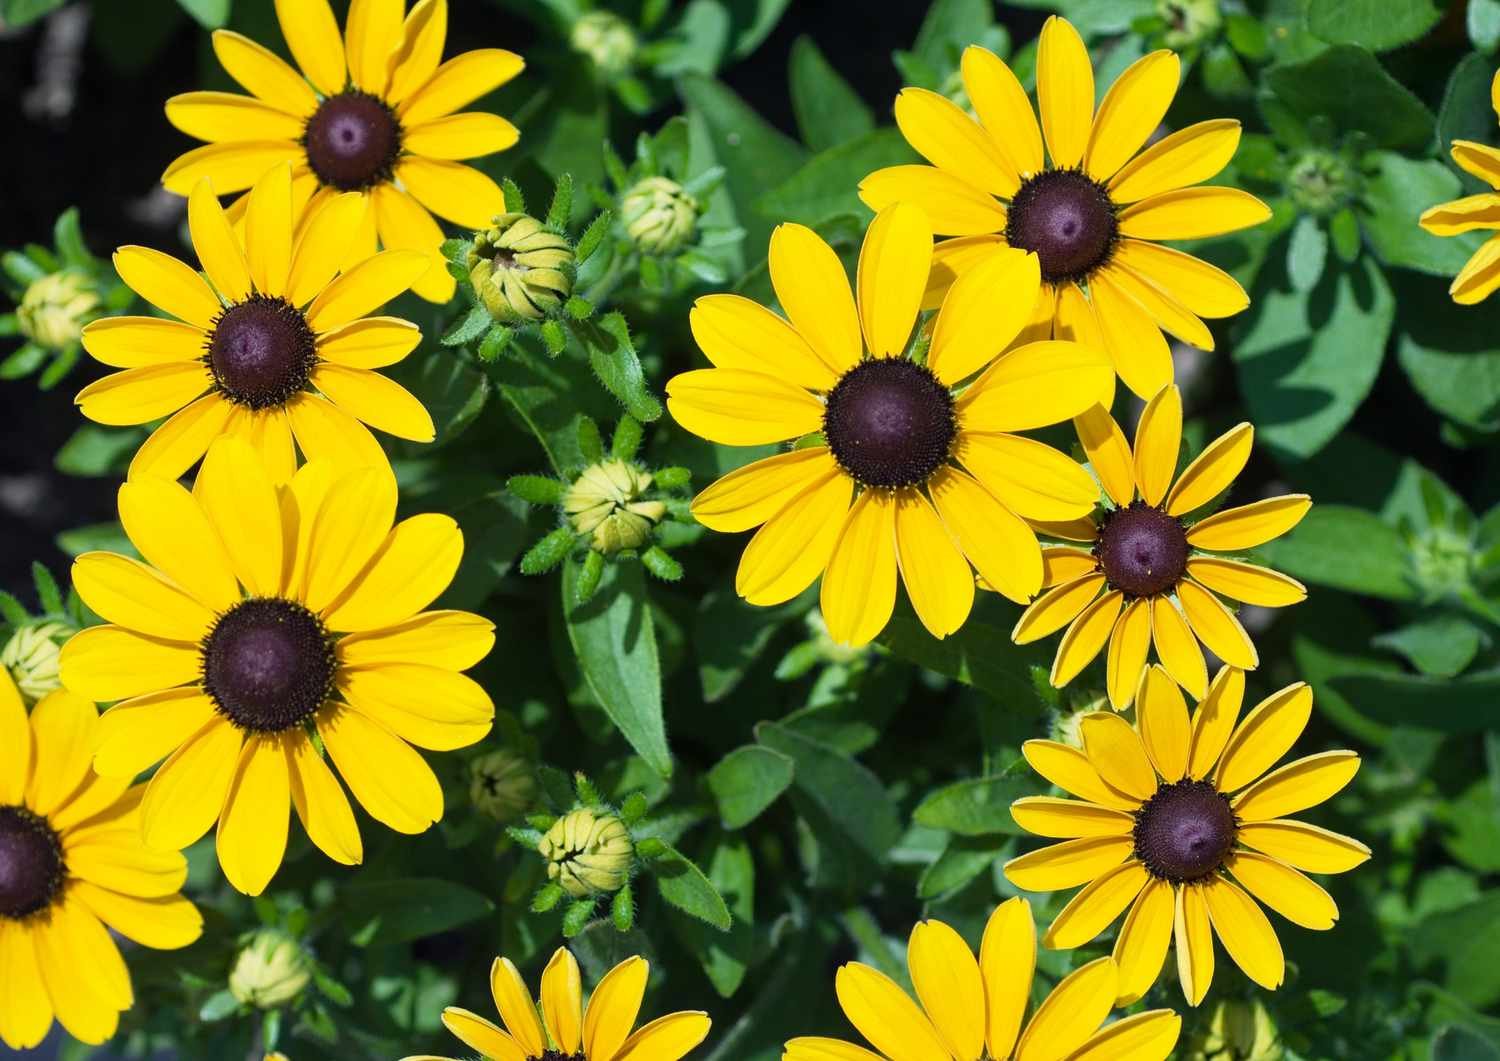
[[502, 785], [55, 308], [521, 270], [588, 853], [606, 502], [658, 215], [607, 39], [270, 971], [31, 656]]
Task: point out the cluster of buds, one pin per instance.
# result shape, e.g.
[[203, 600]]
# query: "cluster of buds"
[[32, 643], [610, 509]]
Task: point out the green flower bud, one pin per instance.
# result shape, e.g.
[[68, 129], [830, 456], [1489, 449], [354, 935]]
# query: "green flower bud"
[[1320, 182], [588, 853], [503, 785], [1236, 1031], [521, 270], [1189, 22], [607, 39], [1442, 560], [658, 215], [270, 971], [55, 308], [31, 657], [606, 503]]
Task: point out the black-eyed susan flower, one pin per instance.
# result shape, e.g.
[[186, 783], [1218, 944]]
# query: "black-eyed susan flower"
[[264, 616], [276, 349], [565, 1030], [73, 867], [371, 112], [969, 1009], [907, 469], [1480, 275], [1178, 820], [1150, 576], [1092, 214]]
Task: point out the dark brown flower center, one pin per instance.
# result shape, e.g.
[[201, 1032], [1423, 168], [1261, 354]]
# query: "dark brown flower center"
[[31, 863], [261, 352], [558, 1055], [1067, 218], [1185, 831], [352, 141], [268, 664], [1141, 550], [889, 423]]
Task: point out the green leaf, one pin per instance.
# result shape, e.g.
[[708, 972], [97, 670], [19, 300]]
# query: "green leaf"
[[47, 592], [1455, 1043], [1306, 253], [19, 13], [980, 655], [965, 858], [1470, 704], [1484, 24], [614, 638], [980, 806], [467, 328], [747, 781], [67, 234], [210, 14], [1377, 24], [685, 886], [392, 912], [725, 956], [1397, 189], [109, 537], [1348, 85], [827, 109], [728, 638], [828, 185], [617, 365], [1318, 550], [1308, 359], [217, 1006], [1440, 646], [948, 27], [452, 390], [1464, 942], [1451, 358]]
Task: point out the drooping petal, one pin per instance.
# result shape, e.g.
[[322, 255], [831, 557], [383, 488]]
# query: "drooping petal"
[[459, 82], [1296, 786], [1128, 647], [1217, 627], [1158, 438], [973, 327], [251, 840], [1068, 864], [1245, 932], [452, 190], [1116, 751], [1267, 733], [1030, 478], [1284, 890], [946, 977], [936, 576], [1141, 947], [140, 395], [859, 586], [390, 780], [1056, 608], [885, 1015], [1306, 847], [1214, 720], [1165, 730], [1108, 452], [894, 262], [137, 734], [1007, 961], [1000, 545], [1036, 385], [1085, 638], [1096, 907], [1177, 648], [186, 794], [1071, 1013]]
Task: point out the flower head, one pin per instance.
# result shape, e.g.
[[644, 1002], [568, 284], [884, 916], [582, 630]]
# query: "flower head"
[[606, 503], [521, 270], [1150, 576], [262, 616], [607, 39], [909, 465], [1480, 276], [565, 1030], [73, 867], [1178, 819], [1093, 215], [370, 112], [968, 1009], [55, 308]]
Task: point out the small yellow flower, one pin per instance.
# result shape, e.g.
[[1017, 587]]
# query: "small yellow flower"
[[588, 853], [565, 1030], [1481, 274], [919, 468], [73, 867], [253, 626], [1094, 215], [370, 112], [276, 349], [1168, 811], [976, 1009], [1150, 578]]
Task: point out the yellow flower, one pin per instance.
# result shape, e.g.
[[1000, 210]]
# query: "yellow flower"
[[975, 1009], [281, 348], [370, 112], [566, 1031], [72, 868], [1481, 273], [1094, 214], [1149, 575], [1168, 811], [263, 616], [882, 489]]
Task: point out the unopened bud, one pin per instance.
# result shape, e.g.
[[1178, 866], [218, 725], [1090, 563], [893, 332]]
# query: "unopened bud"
[[658, 215], [1237, 1031], [588, 853], [55, 308], [502, 785], [607, 39], [31, 657], [521, 270], [271, 971], [607, 503]]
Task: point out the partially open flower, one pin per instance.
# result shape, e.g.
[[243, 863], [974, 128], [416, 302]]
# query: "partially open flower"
[[605, 503], [55, 308], [520, 269], [31, 657], [659, 215], [588, 853]]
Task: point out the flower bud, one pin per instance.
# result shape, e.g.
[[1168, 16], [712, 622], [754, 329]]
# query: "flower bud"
[[31, 657], [588, 853], [607, 39], [270, 971], [55, 308], [658, 215], [1236, 1031], [521, 270], [502, 785], [1189, 22], [606, 503], [1320, 182]]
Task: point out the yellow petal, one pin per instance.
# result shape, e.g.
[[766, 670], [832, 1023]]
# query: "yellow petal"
[[952, 258], [1246, 582], [365, 288], [973, 327], [176, 445], [1305, 847], [186, 794], [1071, 1013], [391, 781], [264, 74], [1096, 907], [327, 433], [1030, 478], [459, 82], [814, 292], [1214, 720], [111, 663], [1212, 471], [1134, 343], [1158, 438], [451, 639], [372, 31], [1296, 786], [118, 860], [135, 342], [232, 166], [1284, 890], [135, 735], [1085, 638], [376, 400], [1068, 864], [1167, 313], [414, 564], [1177, 160], [953, 205], [268, 230], [220, 116], [460, 136], [240, 502], [1479, 276], [734, 332], [425, 706], [749, 496], [1063, 563], [738, 408], [1065, 91], [83, 1009], [1070, 770], [217, 246], [404, 224], [164, 522], [894, 261], [936, 575], [1195, 944], [816, 1048], [1216, 626], [948, 138], [139, 395], [63, 725], [562, 1001], [1177, 648], [132, 595], [1480, 160], [15, 742], [328, 229], [947, 981], [1002, 548], [1246, 933], [1007, 961], [613, 1008], [313, 37], [517, 1010], [269, 435], [1117, 753], [479, 1034], [372, 342], [886, 1016], [1147, 1036], [1462, 215], [1164, 727], [1193, 213], [1108, 452], [1266, 734], [1202, 288], [1245, 527], [1068, 819], [416, 58], [1141, 947], [321, 804], [859, 587], [1036, 385], [252, 830], [791, 550], [350, 524], [452, 190], [666, 1038], [1130, 112], [1002, 105], [1056, 608], [1126, 660]]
